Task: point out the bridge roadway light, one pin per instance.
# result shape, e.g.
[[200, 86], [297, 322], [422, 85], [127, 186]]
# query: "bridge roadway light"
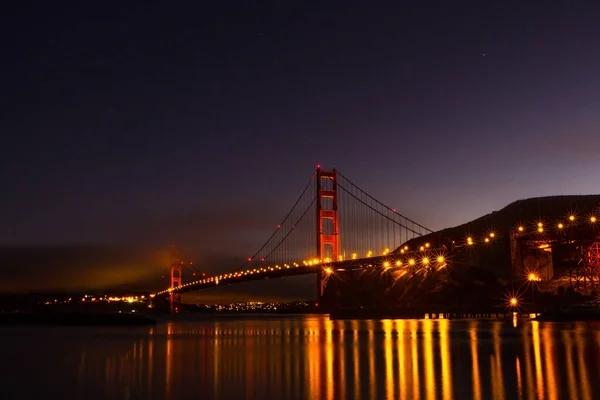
[[411, 262], [440, 259], [386, 264], [398, 263]]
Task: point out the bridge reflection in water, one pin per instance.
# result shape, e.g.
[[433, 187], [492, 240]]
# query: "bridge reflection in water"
[[315, 358]]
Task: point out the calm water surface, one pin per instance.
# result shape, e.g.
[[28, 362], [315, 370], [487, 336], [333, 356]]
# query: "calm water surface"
[[306, 357]]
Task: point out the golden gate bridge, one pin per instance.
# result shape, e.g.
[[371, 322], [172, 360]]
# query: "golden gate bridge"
[[335, 226]]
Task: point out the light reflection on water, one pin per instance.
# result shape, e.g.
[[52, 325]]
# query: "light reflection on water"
[[306, 358]]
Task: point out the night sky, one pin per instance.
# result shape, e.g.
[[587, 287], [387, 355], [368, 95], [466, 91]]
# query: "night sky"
[[130, 126]]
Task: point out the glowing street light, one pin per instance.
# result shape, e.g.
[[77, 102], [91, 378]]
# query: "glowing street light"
[[513, 301], [328, 271], [411, 262], [398, 263], [521, 229], [560, 226], [440, 259], [386, 264], [571, 218], [593, 219], [533, 277]]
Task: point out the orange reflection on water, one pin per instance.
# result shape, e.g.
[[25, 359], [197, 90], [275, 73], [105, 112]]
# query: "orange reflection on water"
[[328, 328], [388, 332], [549, 360], [528, 361], [400, 328], [519, 381], [568, 344], [444, 327], [583, 376], [475, 360], [313, 358], [169, 360], [371, 347], [496, 363], [429, 366], [355, 356], [539, 373], [414, 349]]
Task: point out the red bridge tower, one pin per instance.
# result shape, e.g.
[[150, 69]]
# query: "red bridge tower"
[[176, 279], [327, 221]]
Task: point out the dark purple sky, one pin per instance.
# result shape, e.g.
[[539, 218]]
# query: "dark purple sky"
[[146, 123]]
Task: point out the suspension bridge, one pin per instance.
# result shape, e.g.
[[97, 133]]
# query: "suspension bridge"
[[335, 226]]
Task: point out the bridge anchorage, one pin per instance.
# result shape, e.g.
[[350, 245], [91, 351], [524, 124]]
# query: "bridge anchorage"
[[351, 231]]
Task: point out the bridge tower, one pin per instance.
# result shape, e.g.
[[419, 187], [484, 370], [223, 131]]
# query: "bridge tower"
[[327, 221], [176, 279]]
